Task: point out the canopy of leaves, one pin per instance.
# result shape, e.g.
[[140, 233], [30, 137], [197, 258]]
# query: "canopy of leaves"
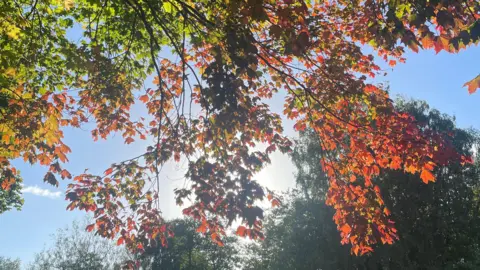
[[208, 106], [437, 224]]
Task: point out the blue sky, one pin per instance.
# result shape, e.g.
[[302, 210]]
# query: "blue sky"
[[437, 79]]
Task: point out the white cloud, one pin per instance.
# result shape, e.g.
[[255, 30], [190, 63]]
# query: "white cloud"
[[36, 190]]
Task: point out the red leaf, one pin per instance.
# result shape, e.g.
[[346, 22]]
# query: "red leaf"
[[120, 241], [90, 227], [108, 171]]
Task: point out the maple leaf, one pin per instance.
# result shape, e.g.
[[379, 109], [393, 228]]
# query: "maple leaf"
[[346, 229], [108, 171], [473, 84], [51, 179], [144, 98], [275, 203], [120, 241], [427, 176], [428, 42], [441, 43], [68, 4], [7, 183], [90, 227], [241, 230], [202, 228], [65, 174]]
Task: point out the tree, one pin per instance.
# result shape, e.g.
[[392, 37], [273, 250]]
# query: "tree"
[[9, 264], [232, 56], [12, 197], [76, 249], [189, 249], [438, 223]]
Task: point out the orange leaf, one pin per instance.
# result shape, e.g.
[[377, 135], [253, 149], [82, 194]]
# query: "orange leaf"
[[427, 176], [275, 202], [6, 138], [355, 249], [441, 44], [473, 85], [346, 229], [7, 183], [65, 174], [144, 98], [108, 171], [427, 42], [129, 140], [202, 228], [241, 231]]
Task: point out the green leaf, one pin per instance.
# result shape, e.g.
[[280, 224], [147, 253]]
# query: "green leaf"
[[167, 6]]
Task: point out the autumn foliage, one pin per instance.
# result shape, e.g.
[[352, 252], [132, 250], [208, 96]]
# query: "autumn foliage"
[[208, 105]]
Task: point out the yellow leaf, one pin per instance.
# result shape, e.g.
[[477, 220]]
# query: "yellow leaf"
[[52, 122], [68, 4], [10, 72], [13, 31]]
